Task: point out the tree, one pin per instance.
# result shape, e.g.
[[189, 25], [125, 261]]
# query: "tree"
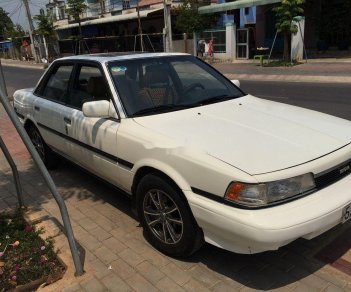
[[189, 20], [16, 34], [285, 13], [46, 27], [6, 24], [75, 9]]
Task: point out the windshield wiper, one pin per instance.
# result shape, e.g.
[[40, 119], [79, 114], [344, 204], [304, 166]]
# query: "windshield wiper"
[[214, 99], [162, 108]]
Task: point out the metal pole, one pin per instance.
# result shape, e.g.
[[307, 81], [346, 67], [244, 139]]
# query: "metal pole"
[[31, 29], [270, 53], [14, 172], [50, 183], [303, 41], [169, 28], [140, 29], [165, 29], [2, 80]]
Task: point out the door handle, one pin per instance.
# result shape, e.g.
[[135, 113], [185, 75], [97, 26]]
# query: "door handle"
[[36, 108], [67, 120]]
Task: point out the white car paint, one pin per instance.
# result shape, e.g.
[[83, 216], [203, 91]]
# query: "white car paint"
[[245, 139]]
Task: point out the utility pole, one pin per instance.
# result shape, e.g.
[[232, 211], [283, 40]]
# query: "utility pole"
[[140, 29], [168, 28], [31, 29]]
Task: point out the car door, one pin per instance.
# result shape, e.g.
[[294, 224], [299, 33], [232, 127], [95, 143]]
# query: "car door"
[[50, 103], [92, 142]]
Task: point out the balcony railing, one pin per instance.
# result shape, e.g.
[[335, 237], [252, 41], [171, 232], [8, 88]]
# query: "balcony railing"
[[95, 10]]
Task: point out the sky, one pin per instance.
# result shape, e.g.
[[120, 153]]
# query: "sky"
[[16, 11]]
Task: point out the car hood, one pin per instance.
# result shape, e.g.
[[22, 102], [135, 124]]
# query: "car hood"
[[252, 134]]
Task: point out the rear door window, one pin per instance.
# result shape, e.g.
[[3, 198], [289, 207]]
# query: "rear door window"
[[57, 84]]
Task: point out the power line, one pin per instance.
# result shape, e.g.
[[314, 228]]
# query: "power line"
[[19, 13], [15, 10]]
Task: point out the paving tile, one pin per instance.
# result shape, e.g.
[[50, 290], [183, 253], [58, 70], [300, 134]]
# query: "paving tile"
[[139, 283], [150, 272], [90, 242], [89, 256], [130, 257], [227, 286], [122, 269], [156, 258], [105, 255], [119, 234], [176, 274], [167, 284], [87, 223], [194, 285], [137, 246], [204, 276], [302, 287], [115, 283], [182, 263], [73, 288], [93, 285], [100, 269], [333, 288], [99, 233], [114, 245]]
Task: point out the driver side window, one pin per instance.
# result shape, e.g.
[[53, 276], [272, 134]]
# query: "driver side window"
[[189, 73]]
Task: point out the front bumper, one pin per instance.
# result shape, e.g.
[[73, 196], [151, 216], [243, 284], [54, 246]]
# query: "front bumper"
[[253, 231]]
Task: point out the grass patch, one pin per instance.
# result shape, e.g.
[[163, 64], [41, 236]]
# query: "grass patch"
[[24, 256]]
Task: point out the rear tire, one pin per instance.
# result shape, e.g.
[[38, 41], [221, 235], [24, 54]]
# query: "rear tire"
[[49, 157], [166, 217]]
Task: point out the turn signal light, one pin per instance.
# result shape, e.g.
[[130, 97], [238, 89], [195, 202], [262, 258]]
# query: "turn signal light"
[[234, 190]]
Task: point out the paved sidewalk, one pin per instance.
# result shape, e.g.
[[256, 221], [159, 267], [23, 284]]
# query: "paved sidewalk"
[[324, 71], [117, 258], [321, 71]]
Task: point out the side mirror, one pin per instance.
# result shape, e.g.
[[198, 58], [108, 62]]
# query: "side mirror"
[[236, 82], [96, 109]]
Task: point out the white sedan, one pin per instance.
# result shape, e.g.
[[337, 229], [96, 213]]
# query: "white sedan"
[[201, 159]]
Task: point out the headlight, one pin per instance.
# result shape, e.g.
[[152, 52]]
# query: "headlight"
[[258, 195]]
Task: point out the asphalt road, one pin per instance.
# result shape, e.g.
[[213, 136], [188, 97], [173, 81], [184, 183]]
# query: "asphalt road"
[[334, 99]]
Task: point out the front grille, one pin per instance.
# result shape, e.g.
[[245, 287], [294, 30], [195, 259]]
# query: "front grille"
[[333, 175]]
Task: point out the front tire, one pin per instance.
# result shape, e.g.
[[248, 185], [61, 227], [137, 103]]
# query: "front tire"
[[166, 217], [49, 158]]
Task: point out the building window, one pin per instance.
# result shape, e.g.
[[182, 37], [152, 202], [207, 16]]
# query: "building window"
[[247, 11], [126, 4]]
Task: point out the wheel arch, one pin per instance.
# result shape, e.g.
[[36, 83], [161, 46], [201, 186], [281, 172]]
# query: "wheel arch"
[[179, 183]]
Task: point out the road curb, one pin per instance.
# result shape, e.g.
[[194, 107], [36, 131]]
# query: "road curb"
[[247, 77], [26, 66]]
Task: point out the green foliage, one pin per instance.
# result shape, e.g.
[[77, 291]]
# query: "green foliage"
[[6, 24], [285, 13], [189, 20], [24, 256], [45, 23], [75, 8], [16, 34]]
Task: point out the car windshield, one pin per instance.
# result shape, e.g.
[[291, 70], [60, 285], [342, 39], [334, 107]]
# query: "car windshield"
[[149, 86]]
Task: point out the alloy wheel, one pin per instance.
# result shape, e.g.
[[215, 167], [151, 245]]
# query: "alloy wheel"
[[163, 216]]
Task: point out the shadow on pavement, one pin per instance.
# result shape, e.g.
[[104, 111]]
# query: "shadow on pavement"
[[268, 270]]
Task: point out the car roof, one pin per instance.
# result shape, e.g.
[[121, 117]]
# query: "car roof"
[[108, 57]]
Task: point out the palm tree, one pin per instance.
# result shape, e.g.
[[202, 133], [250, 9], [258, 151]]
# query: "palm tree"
[[75, 9], [46, 27]]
